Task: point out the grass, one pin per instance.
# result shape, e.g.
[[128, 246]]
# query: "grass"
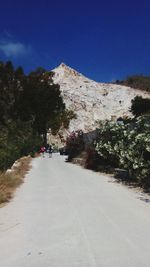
[[9, 181]]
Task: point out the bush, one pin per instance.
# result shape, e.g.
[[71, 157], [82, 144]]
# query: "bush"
[[127, 146], [75, 144], [17, 140], [140, 106], [92, 159], [107, 136]]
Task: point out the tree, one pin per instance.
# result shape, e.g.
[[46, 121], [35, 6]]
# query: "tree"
[[29, 106], [140, 106], [42, 102], [7, 86]]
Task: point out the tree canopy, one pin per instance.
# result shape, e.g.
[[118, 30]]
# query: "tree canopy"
[[29, 106]]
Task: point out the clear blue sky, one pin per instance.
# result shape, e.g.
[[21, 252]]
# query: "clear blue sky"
[[105, 40]]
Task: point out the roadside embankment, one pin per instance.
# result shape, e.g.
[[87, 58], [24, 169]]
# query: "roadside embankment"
[[12, 178]]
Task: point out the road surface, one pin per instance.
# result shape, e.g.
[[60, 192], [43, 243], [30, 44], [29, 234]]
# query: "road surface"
[[65, 216]]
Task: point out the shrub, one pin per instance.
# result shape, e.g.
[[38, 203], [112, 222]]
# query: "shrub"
[[140, 106], [91, 159], [17, 139], [127, 146], [75, 144]]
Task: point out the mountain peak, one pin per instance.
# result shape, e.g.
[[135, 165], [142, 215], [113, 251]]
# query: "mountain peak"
[[66, 67], [65, 70], [63, 65]]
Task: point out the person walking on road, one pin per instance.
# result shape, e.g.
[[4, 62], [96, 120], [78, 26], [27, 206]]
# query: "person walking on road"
[[50, 150]]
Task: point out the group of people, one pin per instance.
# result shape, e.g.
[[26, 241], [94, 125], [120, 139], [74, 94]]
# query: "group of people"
[[48, 149]]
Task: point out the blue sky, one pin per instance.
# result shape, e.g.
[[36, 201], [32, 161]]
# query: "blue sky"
[[105, 40]]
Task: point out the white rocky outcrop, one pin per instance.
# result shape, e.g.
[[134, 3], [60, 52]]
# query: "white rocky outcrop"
[[93, 101]]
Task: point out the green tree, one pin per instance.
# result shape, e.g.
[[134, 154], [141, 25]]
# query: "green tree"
[[42, 102], [29, 106]]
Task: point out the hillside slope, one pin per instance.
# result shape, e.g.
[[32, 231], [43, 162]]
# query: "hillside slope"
[[93, 101]]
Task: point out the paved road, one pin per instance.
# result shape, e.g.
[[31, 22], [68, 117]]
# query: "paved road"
[[65, 216]]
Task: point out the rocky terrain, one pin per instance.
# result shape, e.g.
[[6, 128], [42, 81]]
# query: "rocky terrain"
[[93, 101]]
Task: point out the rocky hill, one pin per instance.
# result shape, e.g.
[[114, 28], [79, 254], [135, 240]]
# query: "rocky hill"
[[93, 101]]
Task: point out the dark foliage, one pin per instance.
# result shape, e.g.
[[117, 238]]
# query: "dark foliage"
[[75, 144], [92, 159], [29, 106], [140, 106], [137, 82], [17, 139]]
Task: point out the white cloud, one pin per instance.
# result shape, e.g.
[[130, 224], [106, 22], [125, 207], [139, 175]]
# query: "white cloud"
[[14, 49]]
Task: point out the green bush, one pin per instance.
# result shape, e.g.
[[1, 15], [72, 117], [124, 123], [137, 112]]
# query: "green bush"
[[16, 140], [127, 146]]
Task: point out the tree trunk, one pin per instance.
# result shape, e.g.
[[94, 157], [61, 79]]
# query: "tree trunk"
[[45, 138]]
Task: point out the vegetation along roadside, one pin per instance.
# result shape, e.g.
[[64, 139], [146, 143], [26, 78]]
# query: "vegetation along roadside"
[[30, 105], [122, 145], [12, 178]]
